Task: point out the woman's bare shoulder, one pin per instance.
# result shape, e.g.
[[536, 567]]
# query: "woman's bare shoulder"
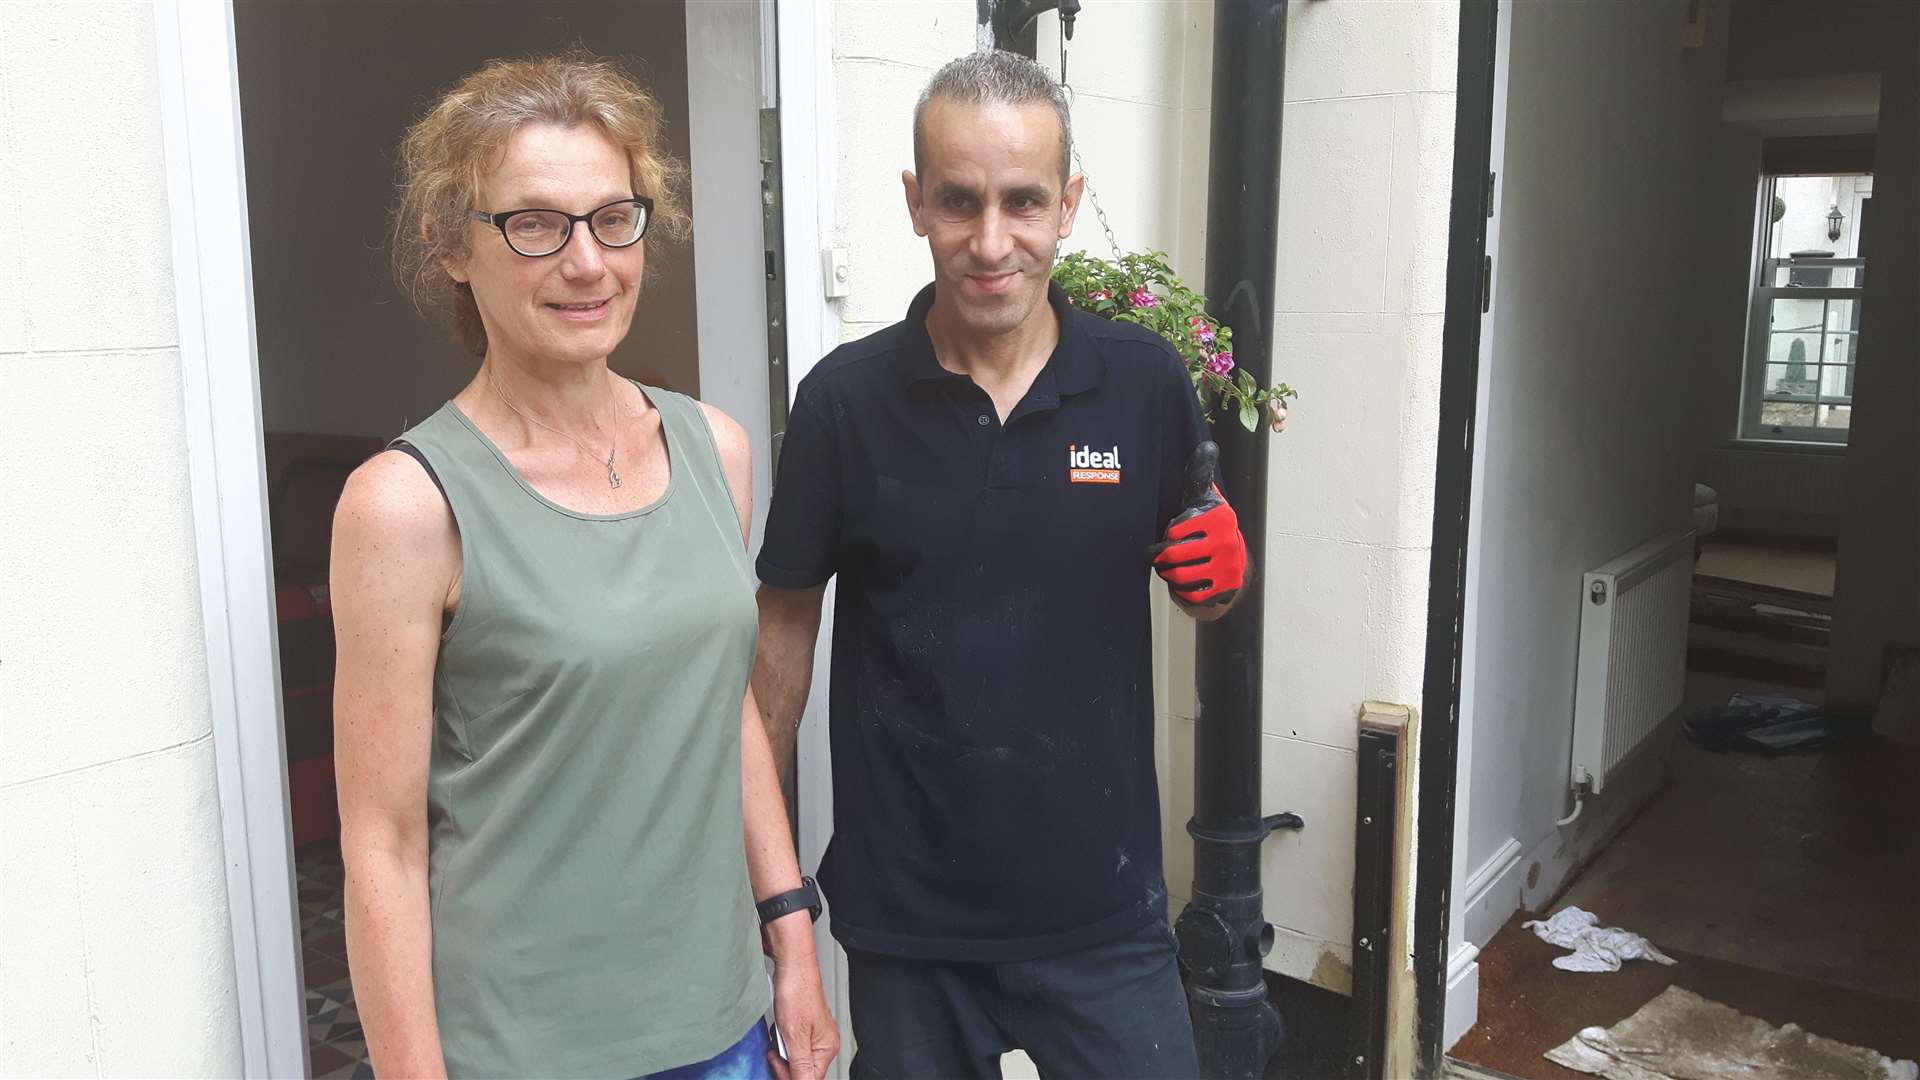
[[728, 435], [392, 489], [736, 459], [391, 509]]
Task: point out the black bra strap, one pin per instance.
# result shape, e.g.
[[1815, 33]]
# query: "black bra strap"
[[413, 452]]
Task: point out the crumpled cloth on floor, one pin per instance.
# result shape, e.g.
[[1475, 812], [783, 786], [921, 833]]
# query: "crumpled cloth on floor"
[[1595, 947], [1683, 1036]]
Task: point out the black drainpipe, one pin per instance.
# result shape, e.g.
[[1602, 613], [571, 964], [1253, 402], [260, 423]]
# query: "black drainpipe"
[[1223, 932]]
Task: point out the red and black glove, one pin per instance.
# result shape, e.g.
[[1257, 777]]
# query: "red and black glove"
[[1204, 557]]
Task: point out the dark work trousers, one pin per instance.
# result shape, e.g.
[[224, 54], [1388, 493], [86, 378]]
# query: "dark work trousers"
[[1110, 1012]]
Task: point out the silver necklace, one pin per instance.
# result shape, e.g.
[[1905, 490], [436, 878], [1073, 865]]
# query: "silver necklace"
[[613, 475]]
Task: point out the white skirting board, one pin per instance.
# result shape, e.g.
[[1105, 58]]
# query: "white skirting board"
[[1463, 995], [1564, 851], [1491, 894], [1515, 877]]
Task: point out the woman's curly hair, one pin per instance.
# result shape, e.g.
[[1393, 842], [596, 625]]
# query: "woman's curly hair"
[[446, 153]]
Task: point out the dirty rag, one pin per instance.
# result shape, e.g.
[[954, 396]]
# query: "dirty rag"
[[1595, 947], [1680, 1035]]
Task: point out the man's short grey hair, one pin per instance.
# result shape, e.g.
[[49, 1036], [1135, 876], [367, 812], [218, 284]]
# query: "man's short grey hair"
[[994, 77]]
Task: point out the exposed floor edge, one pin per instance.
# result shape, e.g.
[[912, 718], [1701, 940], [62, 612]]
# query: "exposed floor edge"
[[1467, 1069]]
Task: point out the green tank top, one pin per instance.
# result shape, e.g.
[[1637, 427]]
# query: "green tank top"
[[587, 865]]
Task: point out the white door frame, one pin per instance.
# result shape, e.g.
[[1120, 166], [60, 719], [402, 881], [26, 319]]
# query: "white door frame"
[[803, 37], [226, 465], [724, 93], [220, 374], [1473, 883]]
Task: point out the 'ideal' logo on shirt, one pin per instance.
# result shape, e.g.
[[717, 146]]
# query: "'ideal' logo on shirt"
[[1085, 465]]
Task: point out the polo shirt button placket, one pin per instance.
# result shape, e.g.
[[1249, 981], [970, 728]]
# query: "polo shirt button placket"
[[985, 420]]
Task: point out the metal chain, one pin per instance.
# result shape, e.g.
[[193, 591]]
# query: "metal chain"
[[1092, 195], [613, 475], [1098, 210]]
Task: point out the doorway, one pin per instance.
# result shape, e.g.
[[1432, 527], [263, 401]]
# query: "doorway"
[[727, 64], [1602, 367]]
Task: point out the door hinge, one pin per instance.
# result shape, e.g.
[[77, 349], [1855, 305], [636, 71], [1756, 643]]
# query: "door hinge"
[[772, 229], [1486, 285]]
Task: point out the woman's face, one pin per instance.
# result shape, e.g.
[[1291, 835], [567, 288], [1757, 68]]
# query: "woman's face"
[[574, 305]]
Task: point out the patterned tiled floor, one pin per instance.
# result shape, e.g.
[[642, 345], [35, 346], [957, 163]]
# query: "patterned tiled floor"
[[333, 1026]]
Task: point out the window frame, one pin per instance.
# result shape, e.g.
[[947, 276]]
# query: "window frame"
[[1761, 294]]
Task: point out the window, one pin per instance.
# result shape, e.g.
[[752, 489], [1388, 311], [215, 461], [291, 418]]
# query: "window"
[[1804, 323]]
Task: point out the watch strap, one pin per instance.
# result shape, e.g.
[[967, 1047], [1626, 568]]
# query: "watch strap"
[[807, 897]]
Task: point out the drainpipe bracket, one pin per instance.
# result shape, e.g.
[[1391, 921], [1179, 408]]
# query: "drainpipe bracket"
[[1286, 819], [1269, 825]]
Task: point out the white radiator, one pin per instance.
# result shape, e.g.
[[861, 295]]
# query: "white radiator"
[[1633, 653]]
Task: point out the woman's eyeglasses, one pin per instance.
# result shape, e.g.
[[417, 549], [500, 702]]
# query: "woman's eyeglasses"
[[537, 232]]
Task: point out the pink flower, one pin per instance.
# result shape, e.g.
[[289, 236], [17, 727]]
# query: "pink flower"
[[1277, 411], [1221, 364], [1202, 330], [1142, 298], [1099, 294]]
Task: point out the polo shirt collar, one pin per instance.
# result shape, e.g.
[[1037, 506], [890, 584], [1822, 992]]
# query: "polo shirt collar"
[[1073, 368]]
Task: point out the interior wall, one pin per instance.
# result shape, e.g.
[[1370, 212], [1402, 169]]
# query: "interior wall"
[[1587, 425], [1791, 39], [1877, 587], [1799, 47], [1769, 489], [326, 89]]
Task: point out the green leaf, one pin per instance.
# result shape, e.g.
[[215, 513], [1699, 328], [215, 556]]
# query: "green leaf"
[[1081, 274]]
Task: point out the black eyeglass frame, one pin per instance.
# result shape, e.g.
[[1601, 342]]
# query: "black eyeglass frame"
[[499, 221]]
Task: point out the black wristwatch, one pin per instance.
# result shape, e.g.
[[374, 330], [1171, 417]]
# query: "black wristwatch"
[[806, 896]]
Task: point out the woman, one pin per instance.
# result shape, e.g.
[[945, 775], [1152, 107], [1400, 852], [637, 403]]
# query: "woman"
[[547, 753]]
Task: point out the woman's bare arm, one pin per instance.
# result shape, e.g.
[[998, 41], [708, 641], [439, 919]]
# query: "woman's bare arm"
[[396, 567], [800, 1005]]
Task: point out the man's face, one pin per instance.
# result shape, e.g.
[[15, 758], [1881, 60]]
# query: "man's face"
[[993, 206]]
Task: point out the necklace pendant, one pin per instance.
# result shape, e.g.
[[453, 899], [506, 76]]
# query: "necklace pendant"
[[613, 477]]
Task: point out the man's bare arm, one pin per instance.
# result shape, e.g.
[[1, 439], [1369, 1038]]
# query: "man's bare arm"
[[783, 668]]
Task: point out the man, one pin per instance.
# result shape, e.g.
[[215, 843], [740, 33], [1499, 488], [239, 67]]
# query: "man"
[[989, 480]]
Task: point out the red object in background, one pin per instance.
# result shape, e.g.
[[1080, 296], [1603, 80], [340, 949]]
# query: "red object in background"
[[305, 475], [306, 680], [313, 800], [297, 602]]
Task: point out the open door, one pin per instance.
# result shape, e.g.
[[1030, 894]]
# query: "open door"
[[280, 317]]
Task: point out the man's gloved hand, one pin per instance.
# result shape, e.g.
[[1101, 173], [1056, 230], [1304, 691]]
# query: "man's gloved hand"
[[1204, 557]]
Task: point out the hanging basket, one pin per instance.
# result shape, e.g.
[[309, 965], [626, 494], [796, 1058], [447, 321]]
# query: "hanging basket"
[[1140, 288]]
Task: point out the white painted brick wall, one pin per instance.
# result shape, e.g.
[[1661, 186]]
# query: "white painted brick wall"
[[115, 955], [1366, 154]]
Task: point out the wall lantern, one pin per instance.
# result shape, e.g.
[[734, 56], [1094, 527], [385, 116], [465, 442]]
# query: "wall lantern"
[[1834, 218]]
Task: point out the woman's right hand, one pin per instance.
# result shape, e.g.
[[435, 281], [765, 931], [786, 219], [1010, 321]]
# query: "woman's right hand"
[[800, 1012]]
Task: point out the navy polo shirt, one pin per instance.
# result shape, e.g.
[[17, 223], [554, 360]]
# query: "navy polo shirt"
[[991, 704]]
